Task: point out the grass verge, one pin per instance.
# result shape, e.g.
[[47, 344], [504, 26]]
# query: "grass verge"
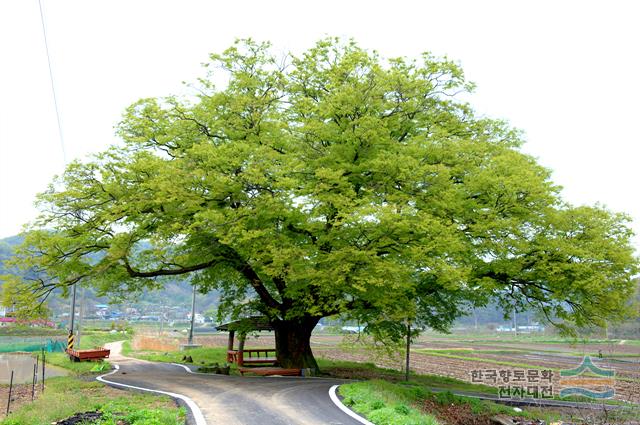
[[385, 403], [66, 396]]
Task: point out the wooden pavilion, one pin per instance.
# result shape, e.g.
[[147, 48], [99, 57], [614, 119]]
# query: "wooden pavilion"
[[261, 361]]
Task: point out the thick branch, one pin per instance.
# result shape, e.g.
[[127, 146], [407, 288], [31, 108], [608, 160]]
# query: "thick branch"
[[168, 272], [255, 281], [229, 256]]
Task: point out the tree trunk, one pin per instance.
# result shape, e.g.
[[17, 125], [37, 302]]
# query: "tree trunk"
[[293, 343]]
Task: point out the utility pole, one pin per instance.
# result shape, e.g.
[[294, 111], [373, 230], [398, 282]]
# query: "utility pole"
[[515, 322], [475, 319], [70, 340], [406, 368], [161, 319], [80, 316], [193, 316]]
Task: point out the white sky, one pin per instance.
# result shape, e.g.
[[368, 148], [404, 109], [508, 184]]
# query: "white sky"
[[566, 72]]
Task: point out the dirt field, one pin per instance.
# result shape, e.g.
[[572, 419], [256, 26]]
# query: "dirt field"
[[21, 394], [458, 357]]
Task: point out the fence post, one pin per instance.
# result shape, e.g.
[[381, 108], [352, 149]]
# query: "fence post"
[[10, 391], [43, 363], [33, 384]]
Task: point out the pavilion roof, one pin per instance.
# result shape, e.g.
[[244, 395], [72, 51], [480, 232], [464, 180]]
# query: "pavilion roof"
[[248, 324]]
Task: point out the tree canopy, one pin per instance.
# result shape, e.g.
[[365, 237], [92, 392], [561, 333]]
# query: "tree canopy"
[[332, 182]]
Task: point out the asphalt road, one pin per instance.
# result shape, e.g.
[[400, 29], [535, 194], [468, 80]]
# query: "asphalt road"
[[234, 399]]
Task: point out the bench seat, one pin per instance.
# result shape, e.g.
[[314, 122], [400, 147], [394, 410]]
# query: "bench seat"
[[270, 371], [259, 360]]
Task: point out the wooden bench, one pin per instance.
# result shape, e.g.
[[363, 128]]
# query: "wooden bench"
[[259, 356], [270, 371], [92, 354]]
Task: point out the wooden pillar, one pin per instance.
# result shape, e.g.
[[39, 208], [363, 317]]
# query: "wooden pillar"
[[230, 343], [241, 339]]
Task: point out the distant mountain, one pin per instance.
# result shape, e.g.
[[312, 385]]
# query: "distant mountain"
[[6, 250], [176, 294]]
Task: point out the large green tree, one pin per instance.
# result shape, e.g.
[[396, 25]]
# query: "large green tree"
[[336, 182]]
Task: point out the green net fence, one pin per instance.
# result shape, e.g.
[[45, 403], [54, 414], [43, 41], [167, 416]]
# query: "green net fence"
[[11, 344]]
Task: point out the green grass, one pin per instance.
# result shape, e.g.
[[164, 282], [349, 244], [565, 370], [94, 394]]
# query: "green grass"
[[93, 339], [126, 348], [65, 396], [384, 403], [62, 360], [202, 356]]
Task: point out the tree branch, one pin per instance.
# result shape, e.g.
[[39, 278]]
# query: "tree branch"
[[167, 272]]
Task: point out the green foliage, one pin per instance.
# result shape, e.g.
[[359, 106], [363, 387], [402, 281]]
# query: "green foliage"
[[341, 183], [23, 305]]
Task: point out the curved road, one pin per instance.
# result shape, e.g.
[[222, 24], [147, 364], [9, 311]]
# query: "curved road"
[[236, 400]]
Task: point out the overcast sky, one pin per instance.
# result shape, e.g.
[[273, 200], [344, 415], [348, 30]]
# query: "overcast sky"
[[567, 73]]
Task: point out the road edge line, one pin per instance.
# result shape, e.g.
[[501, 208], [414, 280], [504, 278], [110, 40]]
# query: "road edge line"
[[195, 410], [184, 367], [188, 369], [334, 398]]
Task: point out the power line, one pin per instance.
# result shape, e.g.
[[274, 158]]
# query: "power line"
[[64, 160], [53, 87]]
